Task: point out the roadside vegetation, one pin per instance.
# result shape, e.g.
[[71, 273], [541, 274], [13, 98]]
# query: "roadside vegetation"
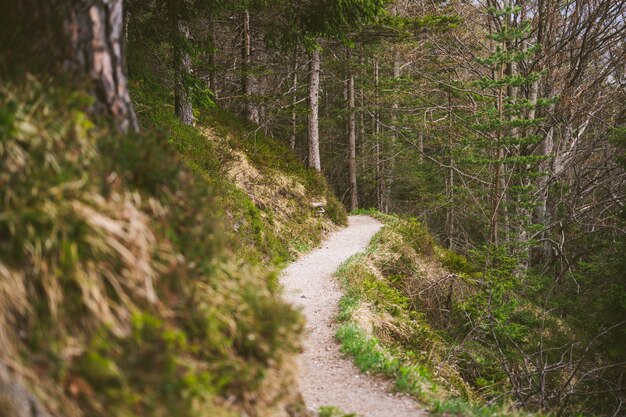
[[449, 331], [136, 275]]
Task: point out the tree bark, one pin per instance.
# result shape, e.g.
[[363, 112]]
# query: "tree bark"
[[251, 112], [314, 92], [450, 214], [395, 135], [362, 129], [380, 197], [182, 66], [97, 48], [496, 197], [420, 144], [540, 212], [294, 101], [84, 40], [213, 61], [354, 203]]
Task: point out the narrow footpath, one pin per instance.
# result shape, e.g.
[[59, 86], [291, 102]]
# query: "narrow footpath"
[[327, 378]]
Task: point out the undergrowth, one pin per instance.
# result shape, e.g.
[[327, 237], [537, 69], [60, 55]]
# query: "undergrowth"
[[272, 213], [396, 320], [135, 279]]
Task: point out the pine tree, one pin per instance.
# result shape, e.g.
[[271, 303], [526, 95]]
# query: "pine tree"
[[507, 132]]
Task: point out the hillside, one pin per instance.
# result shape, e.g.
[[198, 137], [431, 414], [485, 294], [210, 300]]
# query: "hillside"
[[139, 275], [454, 335], [139, 271], [175, 177]]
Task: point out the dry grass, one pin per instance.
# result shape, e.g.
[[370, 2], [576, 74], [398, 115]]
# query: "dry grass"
[[404, 293], [120, 292], [284, 201]]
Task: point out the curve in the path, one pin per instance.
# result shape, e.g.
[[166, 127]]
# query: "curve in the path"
[[326, 377]]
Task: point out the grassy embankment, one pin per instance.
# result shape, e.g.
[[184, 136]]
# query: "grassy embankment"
[[135, 277], [407, 314]]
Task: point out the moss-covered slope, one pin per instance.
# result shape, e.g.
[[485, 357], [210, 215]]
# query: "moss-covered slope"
[[420, 315], [135, 278]]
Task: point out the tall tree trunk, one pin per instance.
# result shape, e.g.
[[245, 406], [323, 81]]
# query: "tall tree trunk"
[[314, 94], [213, 61], [182, 66], [84, 40], [362, 132], [450, 212], [294, 101], [420, 143], [546, 147], [496, 197], [380, 198], [511, 90], [522, 214], [394, 136], [248, 82], [98, 48], [540, 215], [354, 204], [260, 91]]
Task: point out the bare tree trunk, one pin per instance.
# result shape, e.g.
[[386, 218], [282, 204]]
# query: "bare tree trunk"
[[496, 197], [380, 198], [505, 222], [362, 131], [213, 62], [294, 101], [251, 112], [450, 220], [354, 204], [182, 66], [394, 138], [98, 49], [84, 40], [260, 91], [314, 93], [420, 144], [540, 216], [511, 90], [545, 149]]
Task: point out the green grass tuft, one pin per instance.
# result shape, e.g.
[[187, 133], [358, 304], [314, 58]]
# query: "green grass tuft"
[[332, 411]]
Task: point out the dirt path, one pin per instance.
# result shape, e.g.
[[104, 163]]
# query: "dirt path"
[[326, 376]]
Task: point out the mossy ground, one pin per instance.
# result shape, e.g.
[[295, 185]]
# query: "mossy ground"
[[264, 191], [396, 320], [136, 279]]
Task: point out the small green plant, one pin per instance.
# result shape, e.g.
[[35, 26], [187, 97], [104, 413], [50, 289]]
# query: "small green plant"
[[366, 212], [456, 407], [367, 352], [332, 411]]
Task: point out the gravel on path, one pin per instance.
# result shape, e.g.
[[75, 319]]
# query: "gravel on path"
[[326, 377]]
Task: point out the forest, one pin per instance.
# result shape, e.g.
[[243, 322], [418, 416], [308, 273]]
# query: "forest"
[[158, 164]]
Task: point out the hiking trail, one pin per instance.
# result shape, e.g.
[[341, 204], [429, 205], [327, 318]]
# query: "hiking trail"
[[326, 376]]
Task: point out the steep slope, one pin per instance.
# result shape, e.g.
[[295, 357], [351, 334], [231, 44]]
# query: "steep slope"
[[136, 278], [444, 328]]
